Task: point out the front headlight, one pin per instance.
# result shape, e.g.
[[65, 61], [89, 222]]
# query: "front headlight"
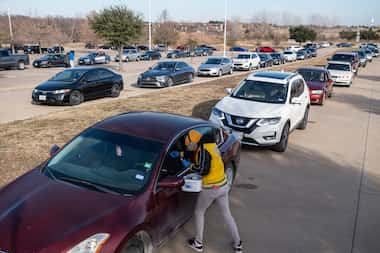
[[218, 113], [347, 77], [139, 77], [317, 92], [35, 91], [268, 121], [161, 78], [61, 91], [92, 244]]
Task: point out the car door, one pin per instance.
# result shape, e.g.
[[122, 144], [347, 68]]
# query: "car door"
[[105, 82], [296, 108], [91, 87], [54, 60]]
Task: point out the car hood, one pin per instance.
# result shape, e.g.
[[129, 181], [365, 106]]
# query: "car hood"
[[153, 72], [85, 57], [240, 60], [209, 66], [315, 85], [41, 59], [37, 212], [339, 72], [54, 85], [249, 109]]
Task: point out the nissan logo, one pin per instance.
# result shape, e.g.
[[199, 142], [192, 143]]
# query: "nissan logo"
[[240, 121]]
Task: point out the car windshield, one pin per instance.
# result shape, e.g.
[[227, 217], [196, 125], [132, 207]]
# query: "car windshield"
[[118, 162], [313, 76], [243, 56], [335, 66], [69, 75], [287, 52], [164, 66], [263, 56], [276, 55], [343, 57], [213, 61], [264, 92]]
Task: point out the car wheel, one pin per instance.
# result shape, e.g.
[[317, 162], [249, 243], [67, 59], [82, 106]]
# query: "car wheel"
[[76, 97], [170, 82], [190, 79], [115, 91], [231, 71], [283, 144], [21, 65], [230, 173], [305, 119], [140, 243], [220, 73]]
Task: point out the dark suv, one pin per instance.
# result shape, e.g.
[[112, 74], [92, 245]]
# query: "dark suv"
[[350, 57]]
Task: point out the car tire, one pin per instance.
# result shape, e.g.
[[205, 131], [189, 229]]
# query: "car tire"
[[303, 124], [283, 144], [170, 82], [231, 71], [140, 243], [21, 65], [220, 73], [190, 79], [230, 174], [115, 90], [76, 97]]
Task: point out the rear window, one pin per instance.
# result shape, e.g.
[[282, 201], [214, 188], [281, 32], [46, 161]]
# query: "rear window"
[[343, 57]]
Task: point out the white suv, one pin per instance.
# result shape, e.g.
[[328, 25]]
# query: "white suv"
[[294, 48], [290, 56], [265, 108], [246, 61]]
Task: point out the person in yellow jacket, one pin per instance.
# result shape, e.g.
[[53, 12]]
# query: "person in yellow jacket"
[[209, 163]]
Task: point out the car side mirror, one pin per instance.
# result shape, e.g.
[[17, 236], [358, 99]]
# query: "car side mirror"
[[295, 101], [171, 182], [229, 91], [53, 150]]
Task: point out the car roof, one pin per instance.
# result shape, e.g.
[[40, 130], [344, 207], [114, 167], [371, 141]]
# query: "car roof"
[[311, 68], [272, 76], [346, 53], [339, 62], [157, 126]]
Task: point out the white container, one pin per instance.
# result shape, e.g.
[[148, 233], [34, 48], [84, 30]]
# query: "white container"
[[193, 183]]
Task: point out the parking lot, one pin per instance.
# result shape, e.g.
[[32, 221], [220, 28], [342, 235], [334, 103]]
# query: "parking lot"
[[322, 195], [16, 86]]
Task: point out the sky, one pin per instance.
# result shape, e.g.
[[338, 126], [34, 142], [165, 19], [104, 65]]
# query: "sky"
[[330, 12]]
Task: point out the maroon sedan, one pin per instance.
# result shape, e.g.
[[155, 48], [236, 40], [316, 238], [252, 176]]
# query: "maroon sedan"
[[113, 188], [266, 50], [319, 82]]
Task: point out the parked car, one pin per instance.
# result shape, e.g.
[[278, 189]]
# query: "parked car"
[[341, 72], [151, 55], [166, 74], [142, 48], [106, 46], [311, 45], [73, 86], [50, 60], [90, 45], [290, 56], [115, 187], [319, 82], [368, 54], [160, 47], [344, 44], [352, 58], [209, 47], [295, 48], [216, 66], [302, 55], [201, 51], [183, 48], [56, 50], [325, 44], [246, 61], [265, 50], [32, 49], [362, 58], [265, 60], [312, 51], [239, 49], [374, 50], [9, 60], [94, 58], [278, 58], [265, 108], [178, 54], [129, 55]]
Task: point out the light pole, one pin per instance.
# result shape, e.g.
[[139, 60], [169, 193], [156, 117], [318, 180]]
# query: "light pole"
[[225, 27], [150, 24], [10, 30]]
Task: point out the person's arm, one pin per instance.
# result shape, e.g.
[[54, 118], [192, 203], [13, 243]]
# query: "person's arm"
[[205, 162]]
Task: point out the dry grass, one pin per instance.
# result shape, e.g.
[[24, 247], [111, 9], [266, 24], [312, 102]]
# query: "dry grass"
[[24, 144]]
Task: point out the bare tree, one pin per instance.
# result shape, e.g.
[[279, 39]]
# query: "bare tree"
[[165, 32]]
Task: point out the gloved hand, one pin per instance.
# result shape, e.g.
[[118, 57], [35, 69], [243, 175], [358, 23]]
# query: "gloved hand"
[[174, 154], [185, 163]]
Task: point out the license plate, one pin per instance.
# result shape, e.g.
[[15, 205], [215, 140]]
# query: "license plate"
[[42, 97]]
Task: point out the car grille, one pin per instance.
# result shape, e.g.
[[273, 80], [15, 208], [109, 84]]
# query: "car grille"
[[240, 124], [149, 78], [238, 64], [204, 70]]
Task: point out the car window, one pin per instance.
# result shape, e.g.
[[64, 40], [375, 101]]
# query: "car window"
[[172, 165], [294, 87], [300, 87], [92, 76], [103, 73]]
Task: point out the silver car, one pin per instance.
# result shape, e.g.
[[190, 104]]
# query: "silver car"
[[216, 66], [129, 55]]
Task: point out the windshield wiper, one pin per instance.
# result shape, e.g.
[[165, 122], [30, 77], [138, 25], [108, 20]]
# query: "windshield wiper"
[[89, 184], [50, 172]]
